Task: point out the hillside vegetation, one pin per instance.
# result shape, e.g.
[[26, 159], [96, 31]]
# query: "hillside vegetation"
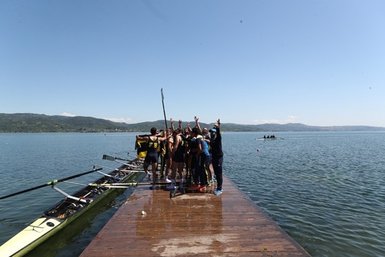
[[28, 122]]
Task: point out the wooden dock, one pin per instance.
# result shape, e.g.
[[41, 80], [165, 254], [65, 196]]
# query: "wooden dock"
[[149, 223]]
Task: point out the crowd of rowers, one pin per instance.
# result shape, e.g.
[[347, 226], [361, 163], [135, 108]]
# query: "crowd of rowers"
[[192, 155]]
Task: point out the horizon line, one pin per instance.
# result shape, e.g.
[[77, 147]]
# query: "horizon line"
[[68, 115]]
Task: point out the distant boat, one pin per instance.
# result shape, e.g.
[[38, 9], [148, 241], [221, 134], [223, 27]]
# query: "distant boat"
[[269, 137]]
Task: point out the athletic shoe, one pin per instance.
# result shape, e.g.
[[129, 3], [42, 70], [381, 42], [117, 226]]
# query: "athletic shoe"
[[171, 187], [168, 180], [218, 192]]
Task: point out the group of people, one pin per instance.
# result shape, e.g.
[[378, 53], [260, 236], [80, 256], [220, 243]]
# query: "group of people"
[[193, 154]]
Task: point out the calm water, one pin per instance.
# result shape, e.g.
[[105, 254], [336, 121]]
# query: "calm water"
[[326, 190]]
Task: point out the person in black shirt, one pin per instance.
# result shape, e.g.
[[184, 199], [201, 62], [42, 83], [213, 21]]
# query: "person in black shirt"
[[153, 146], [217, 155]]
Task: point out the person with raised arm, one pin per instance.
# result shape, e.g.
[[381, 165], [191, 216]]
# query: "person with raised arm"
[[178, 157], [188, 157], [206, 155], [217, 155], [153, 140]]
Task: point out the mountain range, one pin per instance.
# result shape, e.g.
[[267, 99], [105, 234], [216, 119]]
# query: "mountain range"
[[29, 122]]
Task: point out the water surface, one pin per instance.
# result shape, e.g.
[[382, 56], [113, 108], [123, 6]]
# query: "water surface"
[[325, 189]]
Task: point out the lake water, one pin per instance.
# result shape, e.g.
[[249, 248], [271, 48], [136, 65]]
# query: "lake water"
[[325, 189]]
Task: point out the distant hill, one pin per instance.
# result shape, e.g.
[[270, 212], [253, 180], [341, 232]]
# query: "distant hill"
[[28, 122]]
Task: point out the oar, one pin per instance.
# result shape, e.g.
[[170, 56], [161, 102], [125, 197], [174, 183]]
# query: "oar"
[[116, 159], [131, 184], [164, 110], [113, 158], [50, 183]]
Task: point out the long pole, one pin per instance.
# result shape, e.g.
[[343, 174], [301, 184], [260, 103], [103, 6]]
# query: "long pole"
[[164, 110], [51, 183]]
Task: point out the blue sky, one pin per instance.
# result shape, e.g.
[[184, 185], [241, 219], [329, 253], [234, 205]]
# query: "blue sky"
[[317, 62]]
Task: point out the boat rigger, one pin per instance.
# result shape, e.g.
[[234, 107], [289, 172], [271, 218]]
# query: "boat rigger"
[[67, 210]]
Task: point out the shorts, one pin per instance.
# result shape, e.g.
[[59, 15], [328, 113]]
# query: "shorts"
[[151, 158], [179, 157], [206, 160]]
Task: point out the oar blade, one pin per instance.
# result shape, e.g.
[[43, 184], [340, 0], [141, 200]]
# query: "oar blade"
[[108, 157], [113, 158]]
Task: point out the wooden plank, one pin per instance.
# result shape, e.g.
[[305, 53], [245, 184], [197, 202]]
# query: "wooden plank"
[[193, 224]]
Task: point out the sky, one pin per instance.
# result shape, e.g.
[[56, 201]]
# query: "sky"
[[316, 62]]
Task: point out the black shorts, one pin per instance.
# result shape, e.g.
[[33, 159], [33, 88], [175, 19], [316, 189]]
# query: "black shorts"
[[151, 158], [178, 157]]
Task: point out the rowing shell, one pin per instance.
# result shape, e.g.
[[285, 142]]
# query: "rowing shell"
[[28, 238], [63, 214]]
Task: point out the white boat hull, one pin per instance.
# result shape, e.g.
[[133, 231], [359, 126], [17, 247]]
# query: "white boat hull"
[[29, 235]]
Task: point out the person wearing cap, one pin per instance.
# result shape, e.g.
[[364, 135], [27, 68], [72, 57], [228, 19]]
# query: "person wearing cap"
[[217, 155]]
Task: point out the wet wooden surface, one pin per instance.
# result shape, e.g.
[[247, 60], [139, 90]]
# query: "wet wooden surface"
[[192, 224]]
